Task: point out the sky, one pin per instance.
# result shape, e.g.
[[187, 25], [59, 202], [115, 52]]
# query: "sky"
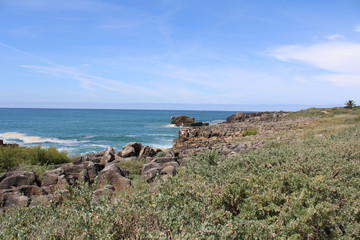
[[179, 54]]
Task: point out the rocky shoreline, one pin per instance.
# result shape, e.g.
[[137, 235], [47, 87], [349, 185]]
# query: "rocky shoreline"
[[24, 188]]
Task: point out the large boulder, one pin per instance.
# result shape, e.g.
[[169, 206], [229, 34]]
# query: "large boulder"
[[92, 169], [75, 173], [182, 121], [69, 174], [131, 150], [114, 176], [109, 156], [147, 151], [10, 197], [51, 177], [149, 171], [18, 178]]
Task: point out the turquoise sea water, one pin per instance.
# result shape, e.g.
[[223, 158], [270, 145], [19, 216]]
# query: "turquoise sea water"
[[80, 131]]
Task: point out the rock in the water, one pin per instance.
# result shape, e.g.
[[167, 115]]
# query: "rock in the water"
[[114, 176], [182, 121], [17, 179]]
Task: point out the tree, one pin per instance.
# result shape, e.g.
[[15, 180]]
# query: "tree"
[[350, 104]]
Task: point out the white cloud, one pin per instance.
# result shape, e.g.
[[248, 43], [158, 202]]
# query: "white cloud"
[[341, 59], [335, 37], [357, 28], [342, 80], [336, 57]]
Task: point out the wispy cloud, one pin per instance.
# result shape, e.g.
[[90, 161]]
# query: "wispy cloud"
[[335, 37], [88, 81], [341, 59], [357, 28]]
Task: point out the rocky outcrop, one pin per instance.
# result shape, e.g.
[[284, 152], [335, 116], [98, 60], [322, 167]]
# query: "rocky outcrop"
[[185, 121], [182, 121], [228, 137], [253, 116]]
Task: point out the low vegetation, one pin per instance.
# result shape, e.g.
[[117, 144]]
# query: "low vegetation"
[[325, 112], [308, 189], [248, 132], [16, 157]]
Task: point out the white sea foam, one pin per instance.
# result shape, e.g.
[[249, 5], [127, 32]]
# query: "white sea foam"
[[214, 122], [162, 135], [87, 137], [171, 126], [36, 139], [131, 135], [98, 145]]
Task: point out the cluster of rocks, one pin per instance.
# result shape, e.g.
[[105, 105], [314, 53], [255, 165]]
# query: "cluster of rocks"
[[185, 121], [25, 188], [227, 136]]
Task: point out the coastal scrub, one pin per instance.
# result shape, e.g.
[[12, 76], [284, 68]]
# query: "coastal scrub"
[[307, 189]]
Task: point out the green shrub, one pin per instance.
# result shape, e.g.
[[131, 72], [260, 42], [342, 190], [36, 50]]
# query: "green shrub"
[[248, 132], [13, 157], [161, 154], [133, 166]]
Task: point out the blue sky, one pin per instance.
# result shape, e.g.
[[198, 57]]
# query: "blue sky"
[[154, 54]]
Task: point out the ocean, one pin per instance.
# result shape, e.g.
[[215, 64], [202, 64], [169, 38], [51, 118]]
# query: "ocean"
[[82, 131]]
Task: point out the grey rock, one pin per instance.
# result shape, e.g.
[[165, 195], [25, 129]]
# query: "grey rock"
[[109, 156], [51, 177], [114, 176], [149, 171], [147, 151], [17, 179], [10, 198], [137, 147]]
